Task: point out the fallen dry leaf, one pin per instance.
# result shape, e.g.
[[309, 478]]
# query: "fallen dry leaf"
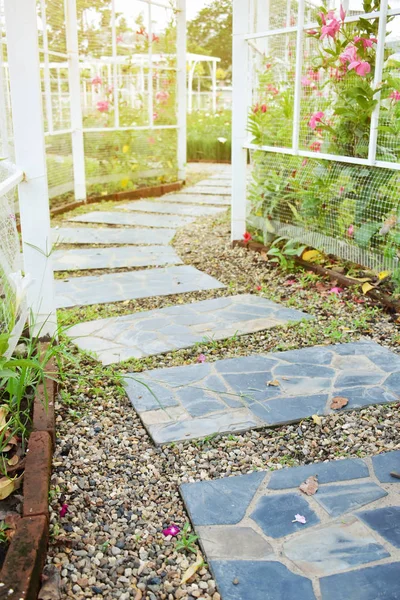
[[3, 415], [366, 287], [11, 521], [274, 382], [14, 460], [51, 586], [383, 275], [317, 420], [339, 402], [312, 256], [309, 486], [192, 570], [8, 486]]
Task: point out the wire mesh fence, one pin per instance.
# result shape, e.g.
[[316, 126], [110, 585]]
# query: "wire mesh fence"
[[324, 121]]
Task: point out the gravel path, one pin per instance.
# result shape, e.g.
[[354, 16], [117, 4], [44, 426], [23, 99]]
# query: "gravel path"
[[121, 491]]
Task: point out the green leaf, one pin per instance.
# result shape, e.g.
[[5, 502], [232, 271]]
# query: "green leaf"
[[365, 233]]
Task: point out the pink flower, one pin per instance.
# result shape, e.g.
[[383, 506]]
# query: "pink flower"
[[103, 106], [361, 67], [155, 116], [306, 82], [162, 96], [315, 118], [312, 32], [348, 55], [322, 17], [258, 288], [335, 290], [395, 96], [314, 75], [63, 510], [304, 162], [316, 146], [201, 358], [263, 108], [256, 108], [350, 231], [366, 42], [97, 80], [247, 236], [268, 66], [120, 39], [171, 530], [342, 12], [330, 29], [155, 38], [341, 190], [299, 519], [271, 88], [151, 140], [290, 282]]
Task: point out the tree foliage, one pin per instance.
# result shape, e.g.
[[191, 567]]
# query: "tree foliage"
[[211, 32]]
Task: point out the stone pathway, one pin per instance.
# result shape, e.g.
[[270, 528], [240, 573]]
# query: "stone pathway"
[[111, 235], [212, 191], [166, 329], [114, 258], [172, 209], [117, 287], [125, 218], [198, 199], [348, 548], [236, 394]]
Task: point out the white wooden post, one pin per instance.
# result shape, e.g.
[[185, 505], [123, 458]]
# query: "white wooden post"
[[240, 83], [297, 81], [4, 148], [27, 110], [379, 60], [192, 68], [74, 78], [47, 81], [214, 86], [115, 65], [150, 99], [181, 87]]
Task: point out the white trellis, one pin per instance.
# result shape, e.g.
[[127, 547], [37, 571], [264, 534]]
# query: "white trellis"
[[38, 82], [260, 25]]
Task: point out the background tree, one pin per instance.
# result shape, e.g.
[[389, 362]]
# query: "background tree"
[[210, 32]]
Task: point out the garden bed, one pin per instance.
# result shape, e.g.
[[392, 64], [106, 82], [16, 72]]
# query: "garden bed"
[[27, 516]]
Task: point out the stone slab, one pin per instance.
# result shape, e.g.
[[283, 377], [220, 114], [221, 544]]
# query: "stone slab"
[[114, 258], [207, 190], [334, 548], [172, 208], [117, 287], [185, 198], [215, 391], [133, 220], [384, 464], [335, 556], [380, 582], [327, 472], [339, 499], [153, 332], [216, 182], [111, 235]]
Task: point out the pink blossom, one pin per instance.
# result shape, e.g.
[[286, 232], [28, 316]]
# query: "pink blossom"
[[256, 108], [263, 108], [155, 38], [312, 32], [171, 530], [314, 75], [268, 66], [306, 82], [366, 42], [201, 358], [395, 96], [330, 29], [350, 231], [290, 282], [361, 67], [155, 116], [322, 17], [316, 146], [162, 96], [258, 288], [304, 162], [103, 106], [341, 190], [247, 236], [97, 80], [151, 140], [63, 510], [315, 118], [349, 55], [342, 12], [299, 519], [120, 39], [335, 290], [271, 88]]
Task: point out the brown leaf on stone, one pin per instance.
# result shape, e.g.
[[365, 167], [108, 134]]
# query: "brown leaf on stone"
[[51, 585], [339, 402], [273, 382], [309, 486]]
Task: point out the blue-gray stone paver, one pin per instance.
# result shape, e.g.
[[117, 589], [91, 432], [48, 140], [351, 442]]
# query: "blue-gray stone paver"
[[185, 198], [133, 219], [260, 580], [79, 259], [172, 208], [271, 389], [338, 499], [385, 521], [111, 235], [162, 330], [384, 464], [220, 182], [117, 287], [222, 501], [380, 582], [335, 553], [275, 515], [207, 190]]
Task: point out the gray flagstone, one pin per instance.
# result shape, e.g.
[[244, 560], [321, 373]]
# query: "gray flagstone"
[[111, 235], [137, 219], [172, 208]]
